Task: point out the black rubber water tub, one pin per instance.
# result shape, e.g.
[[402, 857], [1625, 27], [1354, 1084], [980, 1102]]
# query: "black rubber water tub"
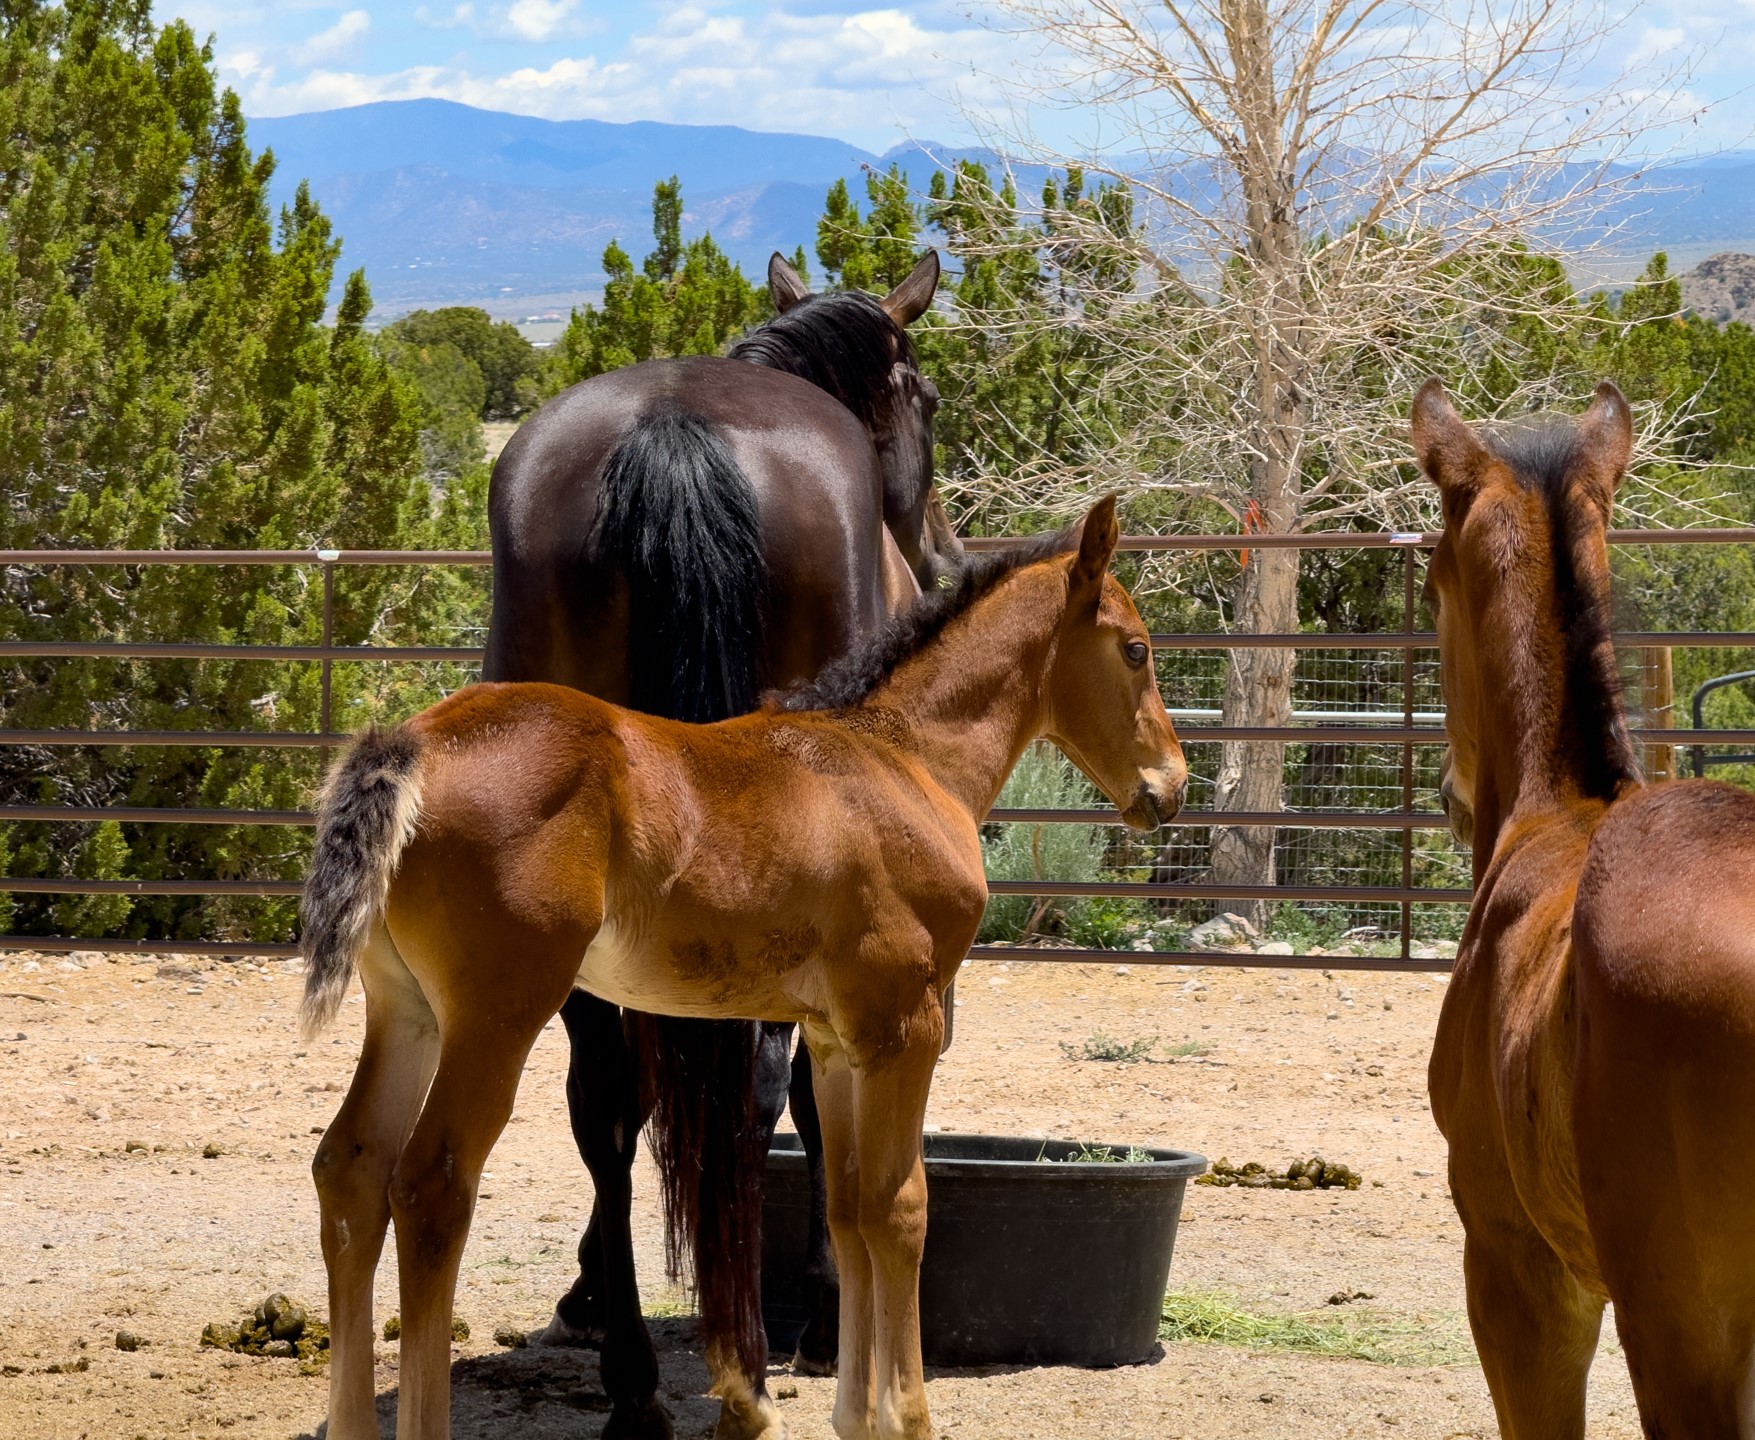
[[1031, 1258]]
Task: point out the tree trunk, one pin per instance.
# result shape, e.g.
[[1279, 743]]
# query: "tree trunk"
[[1258, 691], [1258, 687]]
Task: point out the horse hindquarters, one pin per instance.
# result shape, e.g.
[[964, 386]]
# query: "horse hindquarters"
[[1535, 1327], [1664, 1102]]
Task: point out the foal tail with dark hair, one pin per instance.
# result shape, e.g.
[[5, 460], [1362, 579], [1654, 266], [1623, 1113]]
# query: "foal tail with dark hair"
[[680, 518], [367, 813]]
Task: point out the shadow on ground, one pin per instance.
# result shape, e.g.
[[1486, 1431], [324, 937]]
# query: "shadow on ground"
[[557, 1394]]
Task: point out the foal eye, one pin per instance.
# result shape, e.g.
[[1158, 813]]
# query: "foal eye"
[[1137, 652]]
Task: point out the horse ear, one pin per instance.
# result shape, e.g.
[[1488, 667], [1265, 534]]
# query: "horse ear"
[[1605, 436], [783, 283], [1096, 544], [1447, 448], [913, 297]]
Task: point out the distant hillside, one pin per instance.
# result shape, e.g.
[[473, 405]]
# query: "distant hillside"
[[1722, 287], [440, 201], [444, 203]]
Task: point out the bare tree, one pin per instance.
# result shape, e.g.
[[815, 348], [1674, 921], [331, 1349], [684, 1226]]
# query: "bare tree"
[[1333, 199]]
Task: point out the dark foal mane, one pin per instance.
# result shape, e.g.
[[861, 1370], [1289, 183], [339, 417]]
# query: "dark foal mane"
[[845, 682], [843, 343], [1542, 455]]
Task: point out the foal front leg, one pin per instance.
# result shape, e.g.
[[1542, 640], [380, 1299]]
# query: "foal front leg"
[[889, 1111], [855, 1416]]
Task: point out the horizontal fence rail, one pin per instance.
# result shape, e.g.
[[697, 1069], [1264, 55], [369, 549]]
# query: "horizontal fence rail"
[[1406, 729]]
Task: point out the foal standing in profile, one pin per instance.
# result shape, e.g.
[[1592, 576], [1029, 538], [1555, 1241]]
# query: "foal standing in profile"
[[818, 861], [1594, 1068]]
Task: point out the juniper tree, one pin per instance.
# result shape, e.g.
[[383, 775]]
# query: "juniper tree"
[[166, 381]]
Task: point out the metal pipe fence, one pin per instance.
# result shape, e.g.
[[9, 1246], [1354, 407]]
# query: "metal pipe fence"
[[1398, 729]]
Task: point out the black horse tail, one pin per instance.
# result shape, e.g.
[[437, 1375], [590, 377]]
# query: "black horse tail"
[[680, 518]]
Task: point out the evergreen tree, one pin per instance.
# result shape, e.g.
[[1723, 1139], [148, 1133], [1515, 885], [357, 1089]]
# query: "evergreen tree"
[[686, 298], [165, 381], [500, 356]]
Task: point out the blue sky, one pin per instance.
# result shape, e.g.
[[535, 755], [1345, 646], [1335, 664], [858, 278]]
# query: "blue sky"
[[870, 74]]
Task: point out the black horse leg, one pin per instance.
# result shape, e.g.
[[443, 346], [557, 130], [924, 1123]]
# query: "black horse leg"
[[820, 1342], [603, 1102], [578, 1317]]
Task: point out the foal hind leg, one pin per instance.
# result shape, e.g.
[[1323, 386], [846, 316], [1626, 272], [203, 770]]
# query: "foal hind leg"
[[433, 1191], [1535, 1327], [352, 1170], [820, 1339]]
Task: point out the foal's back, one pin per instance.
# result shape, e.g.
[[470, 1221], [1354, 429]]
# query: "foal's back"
[[1664, 1101]]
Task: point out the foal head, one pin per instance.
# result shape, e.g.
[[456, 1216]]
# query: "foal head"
[[856, 347], [1101, 695], [1519, 590]]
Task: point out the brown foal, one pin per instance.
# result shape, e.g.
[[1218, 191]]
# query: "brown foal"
[[818, 861], [1592, 1069]]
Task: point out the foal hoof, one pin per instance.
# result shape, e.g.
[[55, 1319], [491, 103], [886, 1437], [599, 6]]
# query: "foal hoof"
[[746, 1422], [559, 1334], [638, 1420]]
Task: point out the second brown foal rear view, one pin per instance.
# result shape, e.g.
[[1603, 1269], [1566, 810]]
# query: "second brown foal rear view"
[[1592, 1069], [818, 861]]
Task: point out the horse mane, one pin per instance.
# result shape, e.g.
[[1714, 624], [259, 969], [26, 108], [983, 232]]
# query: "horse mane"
[[843, 343], [1542, 455], [846, 681]]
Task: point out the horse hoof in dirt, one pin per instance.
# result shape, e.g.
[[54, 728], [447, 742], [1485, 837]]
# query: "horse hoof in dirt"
[[736, 1424], [558, 1334], [807, 1364], [636, 1420], [817, 1351]]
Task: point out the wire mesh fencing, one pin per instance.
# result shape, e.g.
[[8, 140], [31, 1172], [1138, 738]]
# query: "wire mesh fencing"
[[1364, 873]]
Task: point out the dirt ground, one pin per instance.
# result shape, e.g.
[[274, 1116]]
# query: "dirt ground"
[[171, 1058]]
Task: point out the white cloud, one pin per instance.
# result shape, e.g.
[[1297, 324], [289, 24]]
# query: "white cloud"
[[535, 22], [334, 42], [538, 20], [870, 76]]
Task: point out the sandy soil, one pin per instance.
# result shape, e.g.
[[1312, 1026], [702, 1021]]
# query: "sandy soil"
[[171, 1058]]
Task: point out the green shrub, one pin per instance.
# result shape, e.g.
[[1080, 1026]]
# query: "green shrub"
[[1044, 779]]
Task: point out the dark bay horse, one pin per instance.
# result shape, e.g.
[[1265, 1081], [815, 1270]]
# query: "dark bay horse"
[[818, 862], [1594, 1068], [674, 537]]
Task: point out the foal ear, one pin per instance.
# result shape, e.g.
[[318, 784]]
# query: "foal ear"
[[1096, 544], [1445, 446], [913, 297], [783, 283], [1605, 437]]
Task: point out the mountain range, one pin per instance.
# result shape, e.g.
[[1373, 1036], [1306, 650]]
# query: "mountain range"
[[443, 203]]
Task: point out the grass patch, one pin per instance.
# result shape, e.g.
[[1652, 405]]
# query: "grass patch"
[[1205, 1318], [1102, 1155], [1107, 1047], [1185, 1049]]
